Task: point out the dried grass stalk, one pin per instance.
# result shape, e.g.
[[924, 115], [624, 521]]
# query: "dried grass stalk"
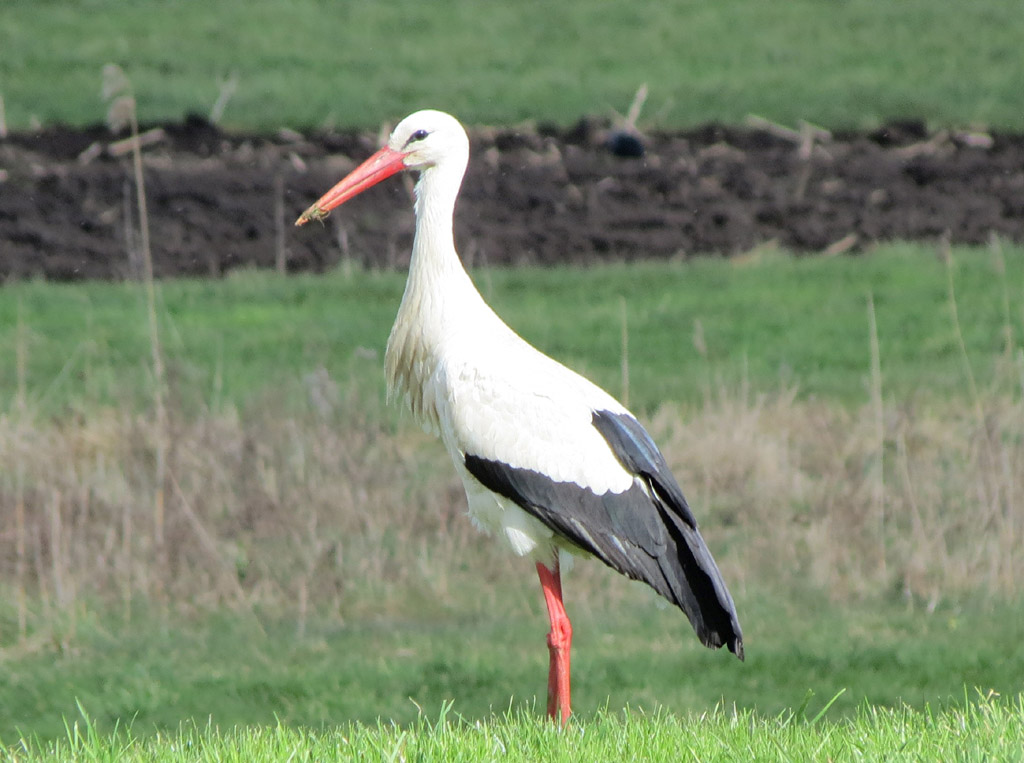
[[328, 510]]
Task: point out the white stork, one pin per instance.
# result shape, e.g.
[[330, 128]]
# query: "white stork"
[[551, 463]]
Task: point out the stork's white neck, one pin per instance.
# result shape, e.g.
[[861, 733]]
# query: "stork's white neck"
[[439, 295], [433, 249]]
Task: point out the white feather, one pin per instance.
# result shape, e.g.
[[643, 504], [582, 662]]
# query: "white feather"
[[467, 376]]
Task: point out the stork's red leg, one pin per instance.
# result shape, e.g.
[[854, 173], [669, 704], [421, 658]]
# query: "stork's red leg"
[[559, 643]]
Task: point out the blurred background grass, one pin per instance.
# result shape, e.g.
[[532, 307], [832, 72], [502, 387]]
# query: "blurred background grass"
[[769, 321], [311, 63]]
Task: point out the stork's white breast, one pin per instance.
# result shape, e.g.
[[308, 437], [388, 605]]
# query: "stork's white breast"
[[508, 402]]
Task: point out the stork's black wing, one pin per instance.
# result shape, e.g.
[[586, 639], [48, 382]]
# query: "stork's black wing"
[[647, 532]]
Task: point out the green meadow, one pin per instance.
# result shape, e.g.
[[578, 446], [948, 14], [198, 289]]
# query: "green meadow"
[[274, 564], [357, 63], [989, 730], [768, 320], [406, 610], [805, 658]]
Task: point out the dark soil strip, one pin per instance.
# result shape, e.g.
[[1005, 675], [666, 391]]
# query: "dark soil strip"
[[545, 196]]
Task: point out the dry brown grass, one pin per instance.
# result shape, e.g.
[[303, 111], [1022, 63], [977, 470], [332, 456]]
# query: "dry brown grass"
[[794, 485], [331, 510]]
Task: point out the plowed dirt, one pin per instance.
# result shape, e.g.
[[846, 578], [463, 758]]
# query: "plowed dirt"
[[218, 201]]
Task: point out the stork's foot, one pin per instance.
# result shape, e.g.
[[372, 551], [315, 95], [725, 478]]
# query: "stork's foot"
[[559, 645]]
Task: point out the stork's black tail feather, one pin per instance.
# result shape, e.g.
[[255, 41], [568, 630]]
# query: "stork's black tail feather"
[[695, 586], [691, 579]]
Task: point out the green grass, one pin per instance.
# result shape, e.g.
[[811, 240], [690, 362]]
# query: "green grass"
[[224, 671], [221, 687], [771, 321], [312, 62], [990, 729]]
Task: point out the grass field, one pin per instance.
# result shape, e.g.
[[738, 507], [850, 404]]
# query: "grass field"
[[315, 568], [223, 671], [989, 730], [310, 63], [769, 321], [300, 582]]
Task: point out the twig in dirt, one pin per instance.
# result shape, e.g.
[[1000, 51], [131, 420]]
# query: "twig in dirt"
[[809, 135], [297, 162], [625, 139], [980, 140], [636, 106], [819, 133], [127, 145], [94, 151], [227, 89], [806, 131], [628, 122], [806, 139], [845, 244], [939, 143], [802, 180], [288, 135], [772, 128]]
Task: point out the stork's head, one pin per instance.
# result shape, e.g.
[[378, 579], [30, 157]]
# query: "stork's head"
[[428, 137], [421, 141]]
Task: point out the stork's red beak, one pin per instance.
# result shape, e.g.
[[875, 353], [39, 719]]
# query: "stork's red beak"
[[381, 165]]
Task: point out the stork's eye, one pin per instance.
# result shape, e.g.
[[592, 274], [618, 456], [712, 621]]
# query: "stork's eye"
[[418, 135]]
